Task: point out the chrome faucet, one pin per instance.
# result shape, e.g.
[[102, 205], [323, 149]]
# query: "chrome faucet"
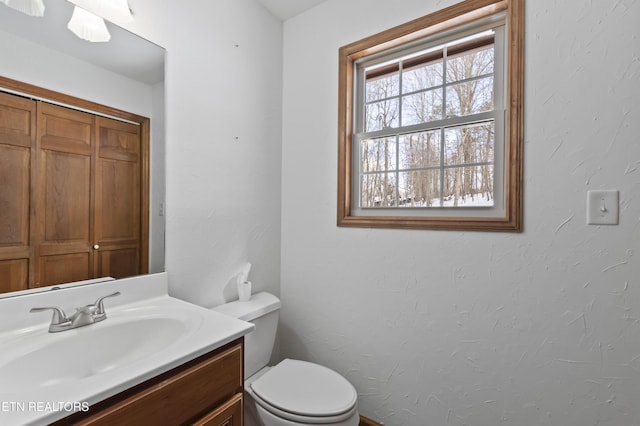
[[82, 316]]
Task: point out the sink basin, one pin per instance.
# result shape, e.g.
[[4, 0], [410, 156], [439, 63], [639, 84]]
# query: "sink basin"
[[89, 351]]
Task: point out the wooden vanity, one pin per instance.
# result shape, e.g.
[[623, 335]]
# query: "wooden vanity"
[[205, 391]]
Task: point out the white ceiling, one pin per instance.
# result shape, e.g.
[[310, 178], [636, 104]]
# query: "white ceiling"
[[285, 9]]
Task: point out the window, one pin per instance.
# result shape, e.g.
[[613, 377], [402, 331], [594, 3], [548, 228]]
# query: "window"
[[430, 125]]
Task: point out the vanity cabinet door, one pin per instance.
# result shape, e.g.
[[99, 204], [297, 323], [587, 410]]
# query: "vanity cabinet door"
[[229, 414]]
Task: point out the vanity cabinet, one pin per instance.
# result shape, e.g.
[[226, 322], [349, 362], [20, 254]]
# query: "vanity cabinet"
[[206, 391]]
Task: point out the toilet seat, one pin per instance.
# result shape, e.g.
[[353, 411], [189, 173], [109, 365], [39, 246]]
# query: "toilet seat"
[[304, 392]]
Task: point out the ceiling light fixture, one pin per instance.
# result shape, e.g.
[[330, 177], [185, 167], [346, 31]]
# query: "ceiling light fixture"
[[88, 26], [29, 7], [88, 19], [112, 10]]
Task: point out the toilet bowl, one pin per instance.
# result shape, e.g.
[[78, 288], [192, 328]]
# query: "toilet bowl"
[[292, 392], [303, 393]]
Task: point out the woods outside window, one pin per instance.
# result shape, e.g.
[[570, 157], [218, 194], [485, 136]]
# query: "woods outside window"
[[431, 122]]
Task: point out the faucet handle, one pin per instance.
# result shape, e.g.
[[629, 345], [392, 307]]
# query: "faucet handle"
[[59, 320], [100, 305], [58, 314]]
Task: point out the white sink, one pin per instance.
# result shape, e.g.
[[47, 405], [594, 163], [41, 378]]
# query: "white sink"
[[146, 333], [88, 351]]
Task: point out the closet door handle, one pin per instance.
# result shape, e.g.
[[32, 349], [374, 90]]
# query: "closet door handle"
[[96, 246]]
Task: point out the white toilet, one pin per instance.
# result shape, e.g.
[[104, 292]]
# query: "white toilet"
[[292, 392]]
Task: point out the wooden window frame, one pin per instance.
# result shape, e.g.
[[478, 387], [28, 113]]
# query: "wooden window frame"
[[446, 19]]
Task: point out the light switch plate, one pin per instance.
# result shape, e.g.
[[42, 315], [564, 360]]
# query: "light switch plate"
[[602, 207]]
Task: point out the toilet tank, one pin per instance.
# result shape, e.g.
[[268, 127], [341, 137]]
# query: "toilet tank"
[[263, 310]]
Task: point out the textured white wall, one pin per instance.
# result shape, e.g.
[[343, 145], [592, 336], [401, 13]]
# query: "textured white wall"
[[461, 328], [224, 116]]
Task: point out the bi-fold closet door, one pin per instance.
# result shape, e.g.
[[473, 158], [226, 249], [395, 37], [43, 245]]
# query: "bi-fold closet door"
[[17, 160], [71, 192]]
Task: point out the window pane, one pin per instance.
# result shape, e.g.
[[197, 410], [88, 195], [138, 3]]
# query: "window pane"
[[418, 150], [419, 188], [378, 190], [378, 155], [469, 144], [470, 97], [382, 87], [470, 64], [381, 115], [422, 77], [468, 186], [422, 107]]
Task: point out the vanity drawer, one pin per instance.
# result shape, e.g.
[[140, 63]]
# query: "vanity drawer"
[[180, 396], [228, 414]]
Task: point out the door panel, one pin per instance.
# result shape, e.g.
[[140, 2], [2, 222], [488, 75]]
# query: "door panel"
[[59, 269], [118, 263], [17, 145], [65, 130], [14, 274], [67, 197], [17, 125], [65, 235], [14, 196], [119, 196], [118, 205]]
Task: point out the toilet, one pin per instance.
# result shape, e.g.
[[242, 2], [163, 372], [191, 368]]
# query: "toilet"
[[293, 392]]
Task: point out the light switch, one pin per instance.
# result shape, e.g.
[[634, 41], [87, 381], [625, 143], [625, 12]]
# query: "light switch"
[[602, 207]]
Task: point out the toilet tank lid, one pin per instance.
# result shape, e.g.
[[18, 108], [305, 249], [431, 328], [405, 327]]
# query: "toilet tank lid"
[[259, 304]]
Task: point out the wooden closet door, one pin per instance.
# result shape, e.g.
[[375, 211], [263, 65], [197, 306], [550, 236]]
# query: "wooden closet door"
[[118, 201], [64, 249], [17, 145]]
